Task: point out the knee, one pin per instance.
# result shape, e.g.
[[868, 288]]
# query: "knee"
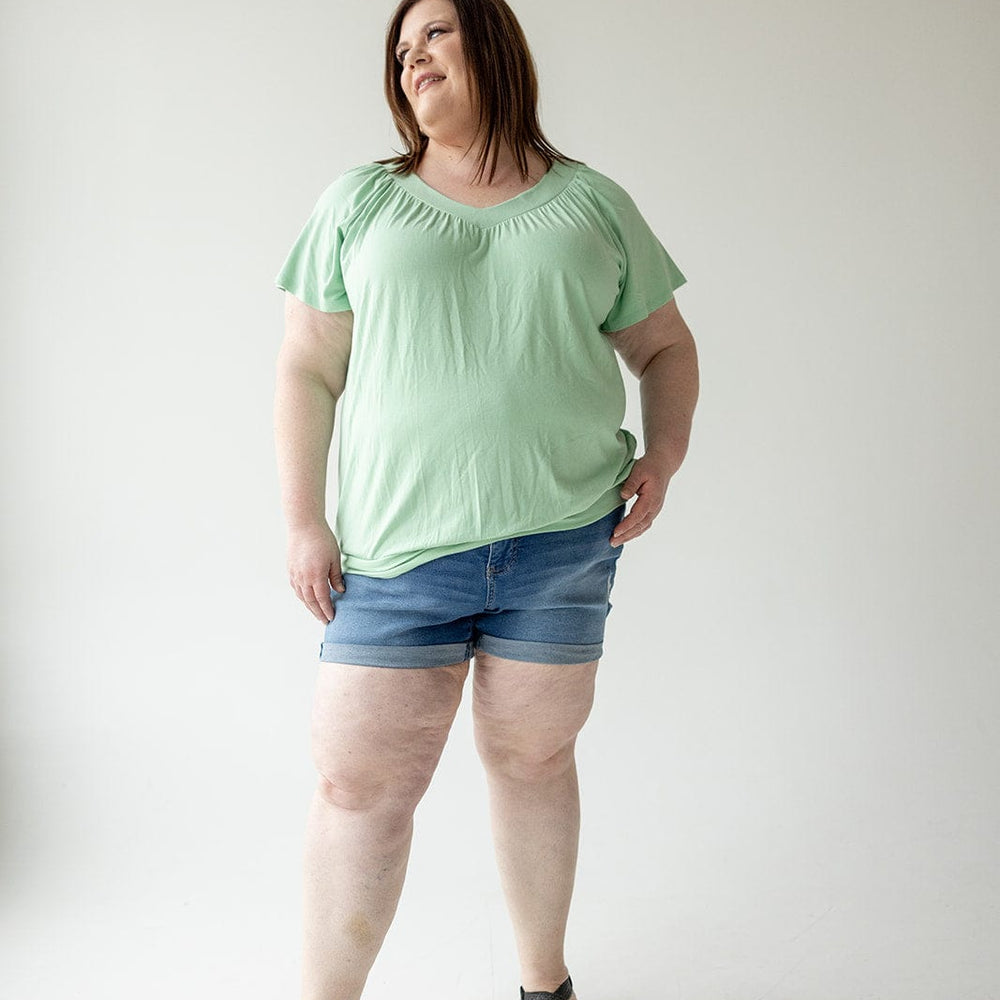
[[534, 745], [351, 781], [531, 759], [390, 807], [351, 793]]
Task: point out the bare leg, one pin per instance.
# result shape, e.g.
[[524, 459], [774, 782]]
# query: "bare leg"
[[355, 863], [536, 830], [527, 716], [378, 734]]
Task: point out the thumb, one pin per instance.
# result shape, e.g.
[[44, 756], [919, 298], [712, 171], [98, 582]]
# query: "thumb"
[[337, 579], [632, 481]]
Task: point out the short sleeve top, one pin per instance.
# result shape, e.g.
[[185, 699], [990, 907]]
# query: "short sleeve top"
[[483, 399]]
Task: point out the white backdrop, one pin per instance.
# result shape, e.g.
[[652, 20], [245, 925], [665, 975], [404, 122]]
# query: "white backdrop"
[[790, 776]]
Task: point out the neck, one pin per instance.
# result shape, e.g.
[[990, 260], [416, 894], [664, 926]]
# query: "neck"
[[460, 159]]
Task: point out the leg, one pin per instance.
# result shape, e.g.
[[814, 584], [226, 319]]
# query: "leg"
[[377, 735], [526, 719]]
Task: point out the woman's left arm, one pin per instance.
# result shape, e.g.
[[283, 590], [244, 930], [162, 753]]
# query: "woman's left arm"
[[661, 353]]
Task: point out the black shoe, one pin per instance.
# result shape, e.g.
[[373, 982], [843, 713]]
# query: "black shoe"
[[564, 992]]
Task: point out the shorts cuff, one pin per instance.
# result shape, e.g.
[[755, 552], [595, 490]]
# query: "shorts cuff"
[[440, 655], [540, 652]]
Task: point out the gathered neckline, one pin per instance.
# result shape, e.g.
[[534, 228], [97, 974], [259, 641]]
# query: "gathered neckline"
[[545, 188]]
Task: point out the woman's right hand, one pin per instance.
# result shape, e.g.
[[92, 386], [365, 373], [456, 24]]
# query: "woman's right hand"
[[314, 567]]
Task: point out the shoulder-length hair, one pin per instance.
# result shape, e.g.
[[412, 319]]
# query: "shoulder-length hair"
[[503, 75]]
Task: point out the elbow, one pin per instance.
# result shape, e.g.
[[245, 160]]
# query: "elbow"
[[294, 375]]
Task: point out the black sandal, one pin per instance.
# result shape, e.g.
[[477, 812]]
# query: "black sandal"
[[564, 992]]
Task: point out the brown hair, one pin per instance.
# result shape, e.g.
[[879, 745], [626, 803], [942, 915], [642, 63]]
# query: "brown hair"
[[503, 73]]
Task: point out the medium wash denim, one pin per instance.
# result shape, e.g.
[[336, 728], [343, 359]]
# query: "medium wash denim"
[[542, 598]]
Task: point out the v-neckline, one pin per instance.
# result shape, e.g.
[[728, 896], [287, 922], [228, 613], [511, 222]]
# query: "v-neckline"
[[550, 184]]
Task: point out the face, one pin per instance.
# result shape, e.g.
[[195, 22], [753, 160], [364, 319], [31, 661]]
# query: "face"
[[430, 42]]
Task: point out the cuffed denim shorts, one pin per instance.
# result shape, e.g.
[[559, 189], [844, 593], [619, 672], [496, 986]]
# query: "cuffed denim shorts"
[[542, 598]]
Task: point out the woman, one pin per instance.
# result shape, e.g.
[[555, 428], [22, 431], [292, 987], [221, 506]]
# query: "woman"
[[478, 285]]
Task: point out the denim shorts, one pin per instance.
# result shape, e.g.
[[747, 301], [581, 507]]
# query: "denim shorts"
[[542, 598]]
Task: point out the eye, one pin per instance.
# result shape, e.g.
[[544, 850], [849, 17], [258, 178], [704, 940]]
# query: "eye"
[[401, 56]]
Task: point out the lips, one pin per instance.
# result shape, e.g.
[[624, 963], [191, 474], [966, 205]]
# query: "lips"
[[417, 84]]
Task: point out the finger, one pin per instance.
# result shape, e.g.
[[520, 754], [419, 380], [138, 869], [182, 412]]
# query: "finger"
[[620, 530], [307, 596], [631, 519], [322, 594], [630, 527]]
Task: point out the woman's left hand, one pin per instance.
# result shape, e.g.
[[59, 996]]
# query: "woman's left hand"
[[649, 480]]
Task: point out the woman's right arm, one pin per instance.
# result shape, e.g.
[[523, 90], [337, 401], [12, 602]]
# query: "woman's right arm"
[[311, 374]]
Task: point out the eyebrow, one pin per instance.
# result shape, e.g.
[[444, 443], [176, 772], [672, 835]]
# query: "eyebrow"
[[443, 20]]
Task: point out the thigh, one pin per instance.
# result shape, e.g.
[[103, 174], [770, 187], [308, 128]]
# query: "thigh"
[[373, 726], [531, 710]]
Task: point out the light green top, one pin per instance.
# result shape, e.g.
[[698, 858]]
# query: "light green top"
[[482, 399]]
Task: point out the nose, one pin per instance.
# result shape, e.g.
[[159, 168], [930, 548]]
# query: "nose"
[[415, 55]]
